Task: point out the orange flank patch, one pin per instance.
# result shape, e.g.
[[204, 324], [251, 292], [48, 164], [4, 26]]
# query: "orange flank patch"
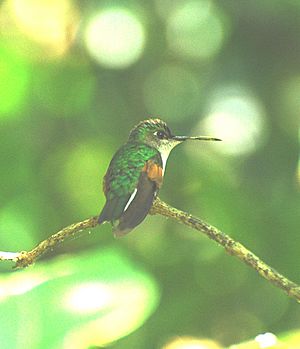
[[154, 172]]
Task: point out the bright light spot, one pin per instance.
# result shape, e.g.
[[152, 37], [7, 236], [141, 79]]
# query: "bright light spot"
[[172, 91], [115, 38], [9, 255], [16, 285], [128, 304], [238, 119], [89, 298], [266, 340], [195, 29], [191, 343], [50, 23]]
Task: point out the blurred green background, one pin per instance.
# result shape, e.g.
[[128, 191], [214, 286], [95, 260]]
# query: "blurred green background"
[[75, 77]]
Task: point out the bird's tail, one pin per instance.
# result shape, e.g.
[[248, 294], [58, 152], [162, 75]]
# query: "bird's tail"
[[113, 209], [102, 217], [118, 232]]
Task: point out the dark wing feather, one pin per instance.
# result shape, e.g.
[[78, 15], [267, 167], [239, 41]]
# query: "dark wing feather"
[[139, 207], [113, 209], [149, 183], [121, 178]]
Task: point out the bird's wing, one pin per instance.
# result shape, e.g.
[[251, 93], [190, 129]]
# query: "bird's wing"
[[142, 198], [133, 172]]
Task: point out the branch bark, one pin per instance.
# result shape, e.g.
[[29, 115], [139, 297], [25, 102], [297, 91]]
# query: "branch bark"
[[234, 248]]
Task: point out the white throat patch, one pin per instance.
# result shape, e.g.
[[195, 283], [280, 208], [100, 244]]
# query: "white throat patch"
[[165, 148]]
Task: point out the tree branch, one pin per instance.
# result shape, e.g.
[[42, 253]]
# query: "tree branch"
[[24, 259]]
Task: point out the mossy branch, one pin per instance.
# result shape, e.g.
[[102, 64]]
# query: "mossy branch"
[[24, 258]]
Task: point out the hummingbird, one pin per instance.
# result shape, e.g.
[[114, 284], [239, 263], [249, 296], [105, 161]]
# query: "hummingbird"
[[135, 174]]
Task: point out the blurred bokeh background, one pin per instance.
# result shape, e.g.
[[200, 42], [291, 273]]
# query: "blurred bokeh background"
[[75, 77]]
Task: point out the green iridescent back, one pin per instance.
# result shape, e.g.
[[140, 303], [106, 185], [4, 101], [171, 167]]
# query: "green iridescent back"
[[125, 168]]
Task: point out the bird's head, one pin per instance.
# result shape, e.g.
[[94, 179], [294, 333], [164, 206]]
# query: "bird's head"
[[156, 133]]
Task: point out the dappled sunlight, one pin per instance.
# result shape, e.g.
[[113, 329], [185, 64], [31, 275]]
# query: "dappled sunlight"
[[98, 297], [15, 285], [191, 343], [88, 298], [115, 37], [75, 77], [126, 304], [266, 340], [196, 29], [49, 23], [237, 118]]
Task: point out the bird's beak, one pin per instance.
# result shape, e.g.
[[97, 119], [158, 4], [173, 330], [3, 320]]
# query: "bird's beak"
[[196, 138]]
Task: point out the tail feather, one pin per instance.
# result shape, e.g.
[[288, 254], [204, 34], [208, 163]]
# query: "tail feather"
[[138, 208], [125, 213], [112, 209], [119, 233]]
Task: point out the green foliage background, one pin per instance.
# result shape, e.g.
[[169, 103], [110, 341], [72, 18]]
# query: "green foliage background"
[[62, 116]]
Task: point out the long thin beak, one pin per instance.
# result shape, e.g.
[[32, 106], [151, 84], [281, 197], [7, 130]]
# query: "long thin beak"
[[196, 138]]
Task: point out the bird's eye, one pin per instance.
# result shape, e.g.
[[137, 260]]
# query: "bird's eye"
[[160, 134]]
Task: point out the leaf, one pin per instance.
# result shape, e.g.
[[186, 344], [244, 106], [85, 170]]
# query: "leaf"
[[75, 302]]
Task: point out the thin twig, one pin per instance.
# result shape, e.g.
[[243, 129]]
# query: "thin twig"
[[24, 259], [234, 248]]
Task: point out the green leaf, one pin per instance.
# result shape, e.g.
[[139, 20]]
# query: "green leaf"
[[75, 302]]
